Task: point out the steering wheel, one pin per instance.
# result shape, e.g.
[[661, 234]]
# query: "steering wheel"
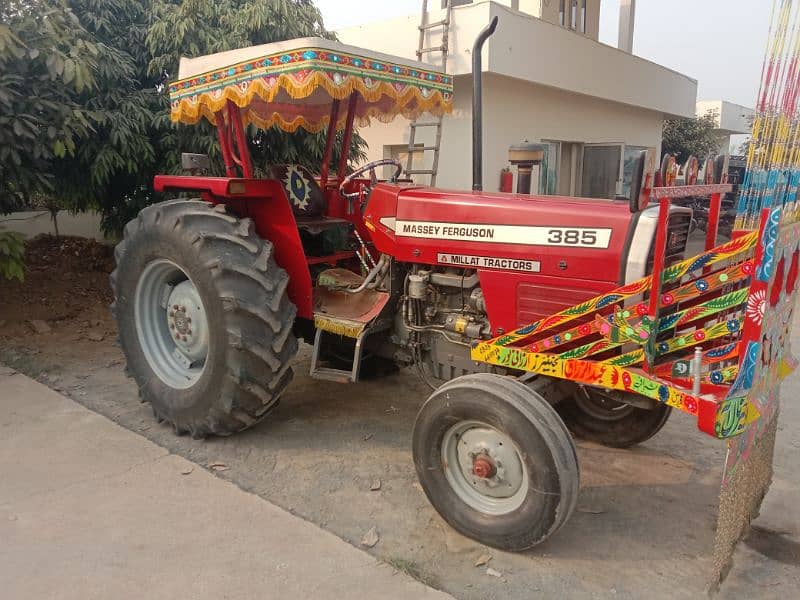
[[373, 178]]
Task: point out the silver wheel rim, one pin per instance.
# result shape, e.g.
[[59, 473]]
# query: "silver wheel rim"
[[171, 324], [472, 444]]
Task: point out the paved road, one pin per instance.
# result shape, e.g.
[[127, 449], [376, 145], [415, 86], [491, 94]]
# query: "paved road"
[[90, 510]]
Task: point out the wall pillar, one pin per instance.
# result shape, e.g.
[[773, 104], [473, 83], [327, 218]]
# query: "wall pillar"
[[627, 17]]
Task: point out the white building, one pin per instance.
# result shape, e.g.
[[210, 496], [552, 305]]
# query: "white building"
[[546, 79], [733, 122]]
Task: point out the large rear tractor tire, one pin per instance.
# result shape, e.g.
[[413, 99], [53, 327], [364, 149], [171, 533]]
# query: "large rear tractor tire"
[[496, 461], [597, 417], [203, 316]]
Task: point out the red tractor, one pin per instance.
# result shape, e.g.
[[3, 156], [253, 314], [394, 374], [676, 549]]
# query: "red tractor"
[[213, 293]]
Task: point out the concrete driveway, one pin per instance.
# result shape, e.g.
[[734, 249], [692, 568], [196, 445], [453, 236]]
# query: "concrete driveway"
[[90, 510]]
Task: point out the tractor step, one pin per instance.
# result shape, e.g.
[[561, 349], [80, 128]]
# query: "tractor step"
[[423, 148], [337, 375], [420, 172], [425, 124]]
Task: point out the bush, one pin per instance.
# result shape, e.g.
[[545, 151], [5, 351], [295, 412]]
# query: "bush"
[[12, 254]]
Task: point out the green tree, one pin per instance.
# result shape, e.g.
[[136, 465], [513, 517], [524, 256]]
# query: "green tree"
[[687, 137], [82, 124], [112, 170], [47, 59], [12, 254]]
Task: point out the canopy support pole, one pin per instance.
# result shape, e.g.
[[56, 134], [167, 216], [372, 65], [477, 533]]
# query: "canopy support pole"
[[331, 136], [227, 154], [235, 123], [348, 134]]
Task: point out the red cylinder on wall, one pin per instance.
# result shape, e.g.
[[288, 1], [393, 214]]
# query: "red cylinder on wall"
[[506, 180]]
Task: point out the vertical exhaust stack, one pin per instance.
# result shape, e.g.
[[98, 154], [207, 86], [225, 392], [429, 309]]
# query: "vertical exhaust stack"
[[477, 105]]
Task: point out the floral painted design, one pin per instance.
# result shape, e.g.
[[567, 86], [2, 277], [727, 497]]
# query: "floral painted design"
[[756, 306]]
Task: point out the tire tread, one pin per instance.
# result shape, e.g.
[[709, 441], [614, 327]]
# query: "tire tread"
[[257, 312]]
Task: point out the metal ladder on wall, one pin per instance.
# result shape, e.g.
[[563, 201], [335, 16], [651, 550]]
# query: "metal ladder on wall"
[[422, 50]]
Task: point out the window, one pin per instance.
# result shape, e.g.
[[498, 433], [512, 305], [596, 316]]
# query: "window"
[[548, 170], [583, 16], [572, 14], [628, 162], [560, 169], [601, 170], [608, 170]]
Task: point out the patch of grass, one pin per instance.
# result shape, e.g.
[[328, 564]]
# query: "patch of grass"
[[412, 569], [27, 364]]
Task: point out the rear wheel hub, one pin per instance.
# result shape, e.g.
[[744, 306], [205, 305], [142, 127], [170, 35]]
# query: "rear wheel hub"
[[171, 324], [187, 321]]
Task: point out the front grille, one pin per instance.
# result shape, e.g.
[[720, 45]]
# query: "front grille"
[[677, 238]]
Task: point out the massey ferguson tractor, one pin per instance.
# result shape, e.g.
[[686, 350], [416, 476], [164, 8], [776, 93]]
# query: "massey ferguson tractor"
[[529, 316]]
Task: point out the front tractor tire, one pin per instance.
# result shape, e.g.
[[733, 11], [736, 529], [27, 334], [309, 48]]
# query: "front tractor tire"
[[203, 316], [496, 461]]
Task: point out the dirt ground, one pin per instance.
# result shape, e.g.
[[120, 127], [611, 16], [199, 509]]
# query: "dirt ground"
[[645, 520]]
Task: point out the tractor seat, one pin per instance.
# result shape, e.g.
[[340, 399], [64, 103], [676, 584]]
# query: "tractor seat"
[[304, 194]]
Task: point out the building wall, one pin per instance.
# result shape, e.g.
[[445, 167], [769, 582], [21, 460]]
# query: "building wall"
[[542, 82], [533, 50], [539, 52], [38, 222], [731, 118], [515, 111], [519, 111]]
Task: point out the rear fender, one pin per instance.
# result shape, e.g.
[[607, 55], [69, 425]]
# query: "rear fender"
[[264, 201]]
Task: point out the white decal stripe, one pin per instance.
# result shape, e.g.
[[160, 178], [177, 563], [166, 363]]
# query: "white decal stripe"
[[530, 235], [388, 222], [489, 262]]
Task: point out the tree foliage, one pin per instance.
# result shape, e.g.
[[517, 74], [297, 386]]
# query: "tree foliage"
[[12, 253], [47, 60], [690, 137], [113, 167], [82, 124]]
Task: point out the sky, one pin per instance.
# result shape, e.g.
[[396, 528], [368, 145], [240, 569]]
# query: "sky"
[[720, 43]]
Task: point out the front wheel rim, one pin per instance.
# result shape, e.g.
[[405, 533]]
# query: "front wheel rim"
[[484, 468], [171, 324]]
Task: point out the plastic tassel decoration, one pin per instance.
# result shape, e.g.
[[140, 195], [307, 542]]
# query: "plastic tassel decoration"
[[773, 157]]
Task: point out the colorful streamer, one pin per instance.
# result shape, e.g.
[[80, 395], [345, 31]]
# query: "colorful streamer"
[[773, 158]]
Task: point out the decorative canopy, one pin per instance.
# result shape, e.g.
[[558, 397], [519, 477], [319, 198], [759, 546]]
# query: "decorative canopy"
[[293, 84]]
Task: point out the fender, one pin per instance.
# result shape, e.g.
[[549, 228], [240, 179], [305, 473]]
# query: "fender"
[[264, 201]]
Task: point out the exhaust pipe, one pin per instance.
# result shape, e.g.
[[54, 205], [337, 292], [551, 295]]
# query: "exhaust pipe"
[[477, 105]]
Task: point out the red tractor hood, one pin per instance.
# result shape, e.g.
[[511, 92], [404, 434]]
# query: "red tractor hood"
[[549, 235]]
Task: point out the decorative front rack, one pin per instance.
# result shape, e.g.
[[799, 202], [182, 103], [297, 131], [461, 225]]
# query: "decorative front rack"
[[695, 335]]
